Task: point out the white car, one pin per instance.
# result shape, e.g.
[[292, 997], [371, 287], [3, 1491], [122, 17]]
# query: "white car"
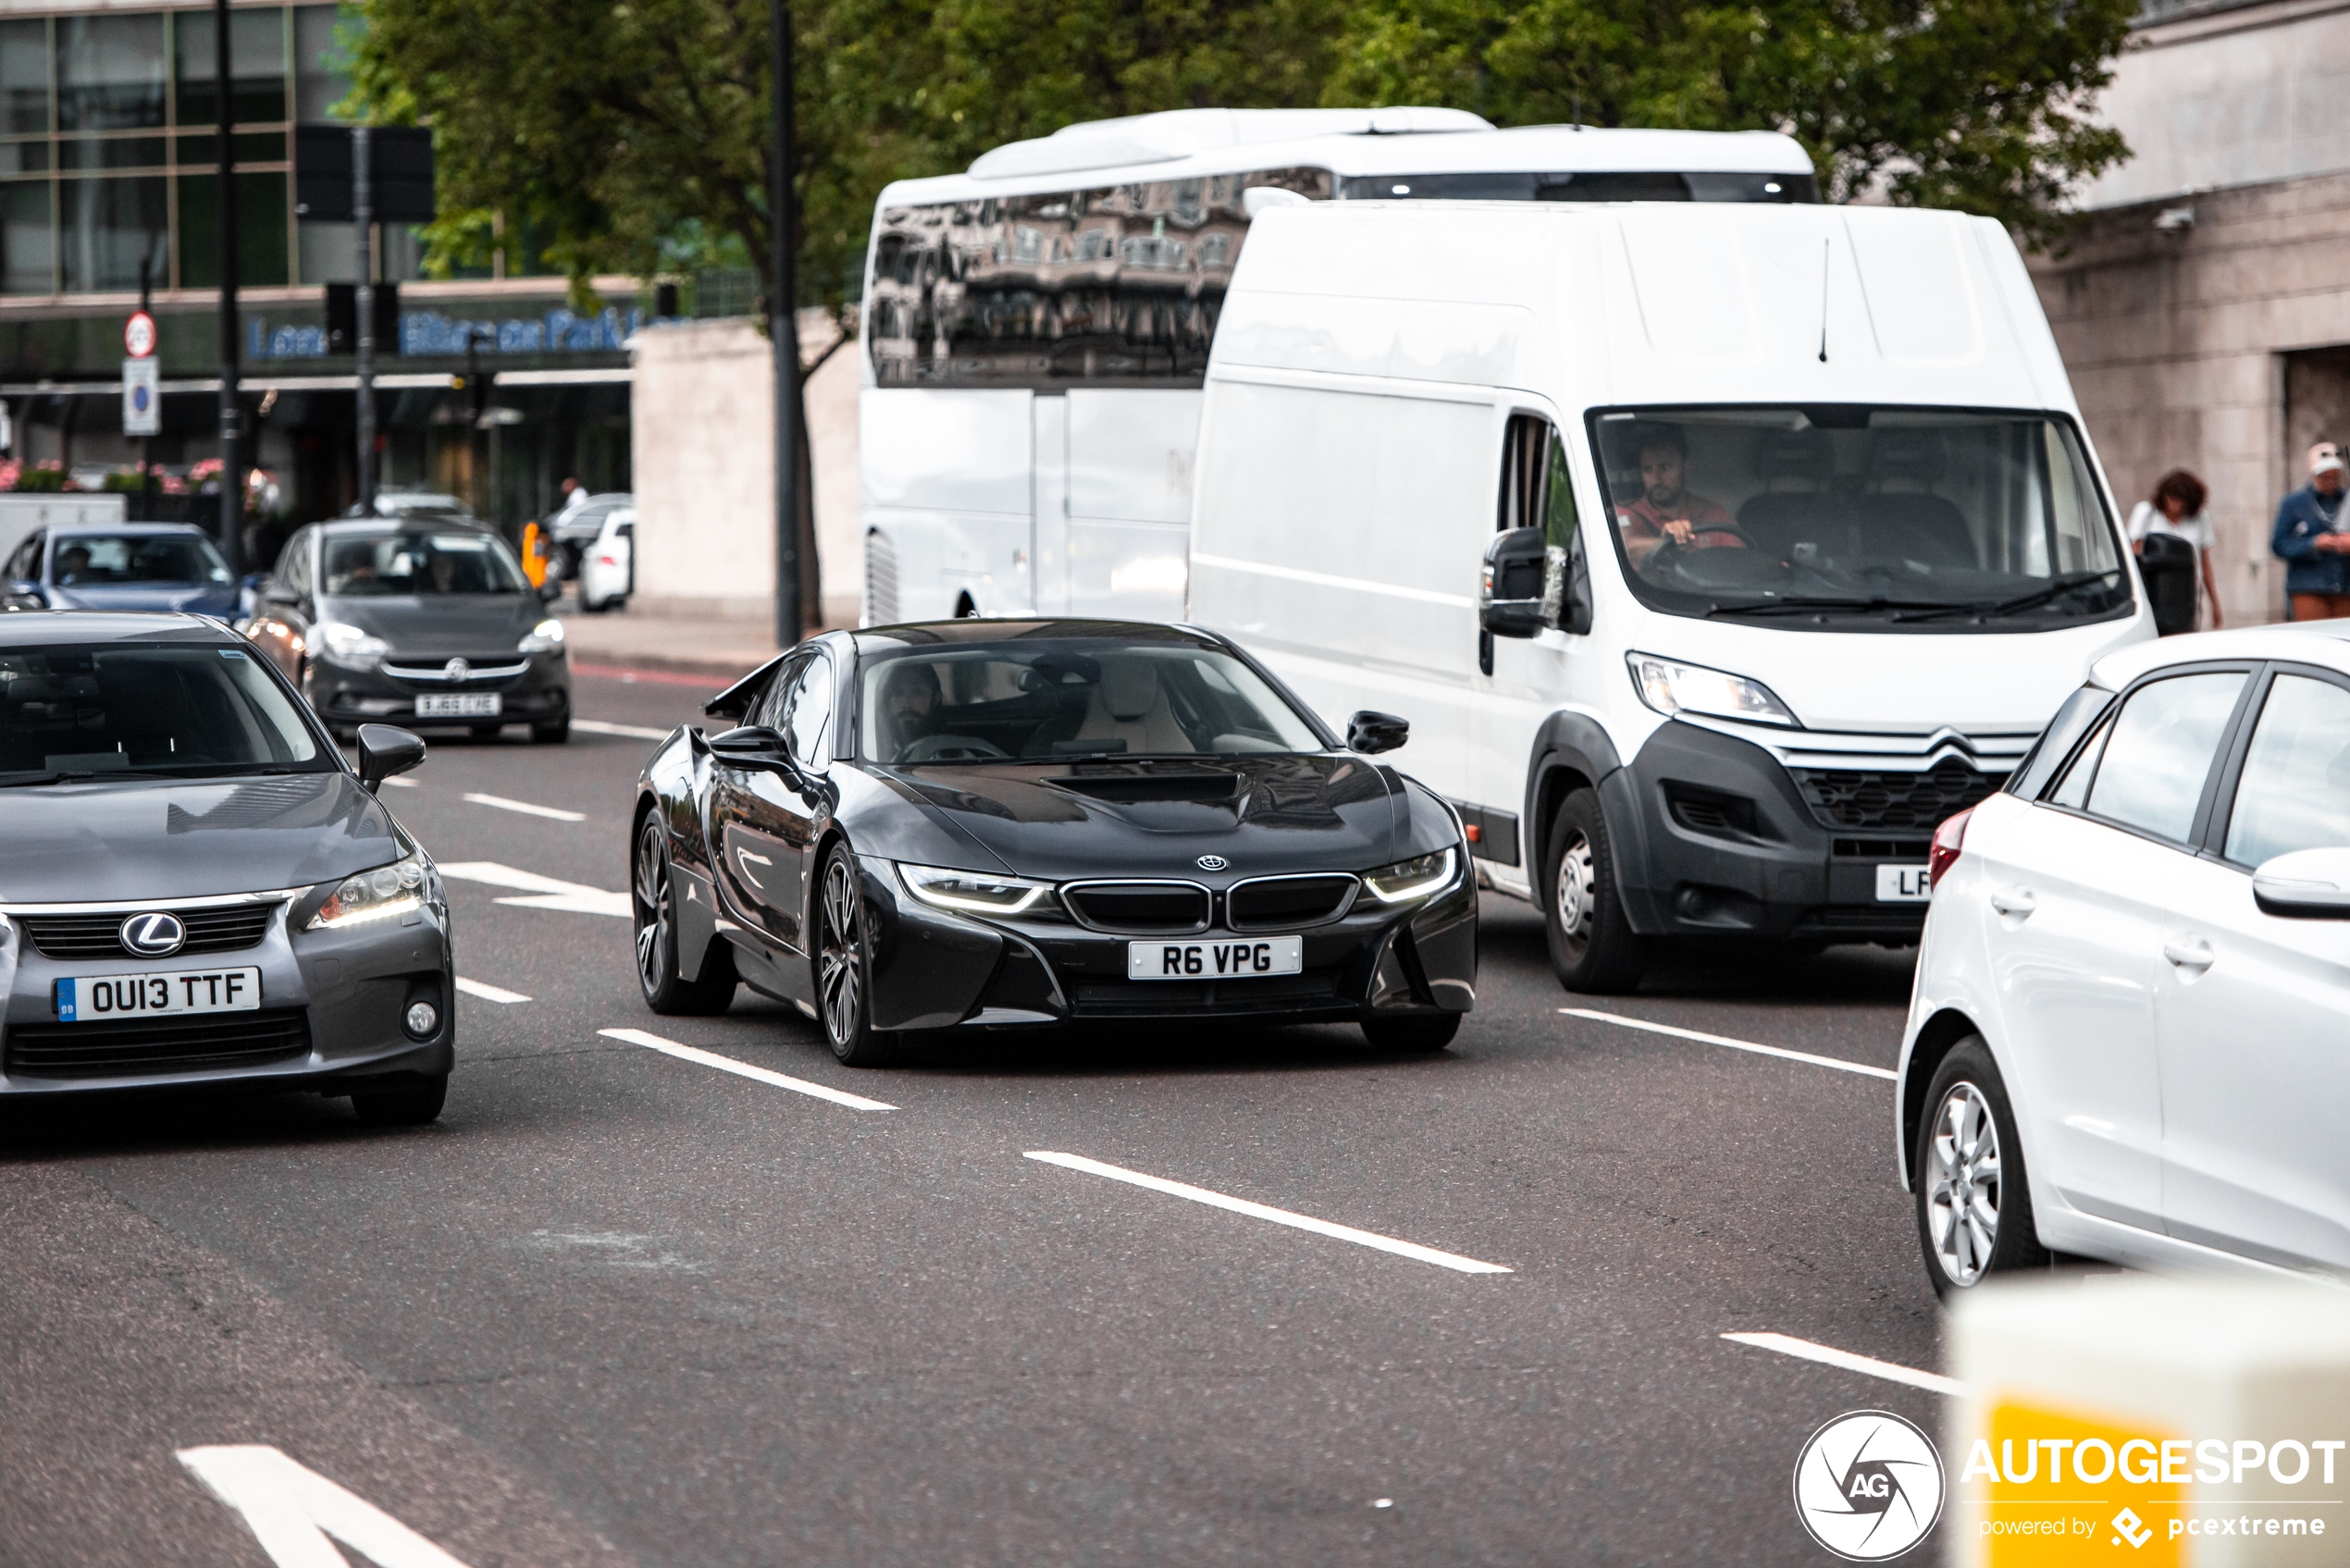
[[608, 563], [2129, 1035]]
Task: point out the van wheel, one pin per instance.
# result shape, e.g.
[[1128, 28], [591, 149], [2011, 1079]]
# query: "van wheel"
[[1593, 947], [1974, 1207]]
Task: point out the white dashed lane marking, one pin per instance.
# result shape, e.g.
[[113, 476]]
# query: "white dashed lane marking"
[[1839, 1063], [528, 809], [1266, 1212], [1828, 1356], [744, 1069], [544, 893], [633, 732], [489, 993]]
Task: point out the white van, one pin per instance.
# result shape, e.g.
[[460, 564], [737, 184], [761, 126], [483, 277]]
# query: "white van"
[[1714, 554], [1037, 330]]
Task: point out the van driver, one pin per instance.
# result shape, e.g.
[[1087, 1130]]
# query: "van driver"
[[1666, 509]]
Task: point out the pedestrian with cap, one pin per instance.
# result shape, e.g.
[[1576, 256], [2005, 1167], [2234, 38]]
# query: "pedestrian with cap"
[[2311, 540]]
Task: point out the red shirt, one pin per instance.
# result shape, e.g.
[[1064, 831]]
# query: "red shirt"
[[1641, 521]]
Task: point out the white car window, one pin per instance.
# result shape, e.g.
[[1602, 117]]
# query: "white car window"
[[2159, 752], [2295, 790]]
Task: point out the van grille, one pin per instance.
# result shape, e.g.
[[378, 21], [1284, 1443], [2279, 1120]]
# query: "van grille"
[[224, 929], [1849, 799]]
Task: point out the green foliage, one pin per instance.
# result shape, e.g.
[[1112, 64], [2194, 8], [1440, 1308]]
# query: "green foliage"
[[1979, 105]]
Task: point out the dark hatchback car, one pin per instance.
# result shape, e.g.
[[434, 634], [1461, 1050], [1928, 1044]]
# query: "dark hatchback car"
[[426, 622], [194, 888], [122, 566], [974, 824]]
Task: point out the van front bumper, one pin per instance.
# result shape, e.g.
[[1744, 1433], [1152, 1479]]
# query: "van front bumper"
[[1714, 836]]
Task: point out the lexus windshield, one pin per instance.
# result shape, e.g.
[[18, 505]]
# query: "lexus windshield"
[[126, 710], [1067, 699], [1852, 517]]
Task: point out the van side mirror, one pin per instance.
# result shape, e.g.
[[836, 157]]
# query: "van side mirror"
[[1509, 595], [2309, 884], [383, 751], [1371, 732]]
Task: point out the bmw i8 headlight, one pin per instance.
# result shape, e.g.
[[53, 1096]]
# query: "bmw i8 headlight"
[[1670, 686], [343, 643], [545, 637], [1408, 880], [973, 893], [373, 896]]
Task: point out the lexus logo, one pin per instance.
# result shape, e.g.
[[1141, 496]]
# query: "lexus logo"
[[152, 935], [1212, 863], [455, 670]]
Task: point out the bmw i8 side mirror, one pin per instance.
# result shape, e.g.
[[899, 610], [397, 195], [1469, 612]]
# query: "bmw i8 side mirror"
[[755, 745], [2309, 884], [384, 751], [1370, 731]]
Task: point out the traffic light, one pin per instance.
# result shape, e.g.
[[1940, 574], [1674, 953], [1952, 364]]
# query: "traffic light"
[[342, 318]]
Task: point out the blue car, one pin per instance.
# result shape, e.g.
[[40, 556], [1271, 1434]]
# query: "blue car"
[[120, 566]]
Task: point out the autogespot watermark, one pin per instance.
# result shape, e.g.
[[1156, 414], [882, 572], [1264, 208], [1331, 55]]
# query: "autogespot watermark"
[[2019, 1483], [1868, 1485]]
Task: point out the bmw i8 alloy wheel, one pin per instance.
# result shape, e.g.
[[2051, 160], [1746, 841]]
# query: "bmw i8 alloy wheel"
[[843, 970]]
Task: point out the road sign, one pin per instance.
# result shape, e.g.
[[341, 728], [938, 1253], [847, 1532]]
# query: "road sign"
[[400, 174], [139, 334], [141, 398]]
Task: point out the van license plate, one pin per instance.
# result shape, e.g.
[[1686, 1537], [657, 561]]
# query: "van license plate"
[[1238, 957], [460, 705], [88, 998], [1902, 884]]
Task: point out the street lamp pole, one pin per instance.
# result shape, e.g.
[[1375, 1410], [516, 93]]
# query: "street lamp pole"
[[232, 468], [783, 326]]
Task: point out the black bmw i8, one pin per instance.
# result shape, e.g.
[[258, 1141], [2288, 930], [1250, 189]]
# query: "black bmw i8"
[[976, 825]]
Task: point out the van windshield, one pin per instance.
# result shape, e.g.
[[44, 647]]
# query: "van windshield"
[[1844, 515]]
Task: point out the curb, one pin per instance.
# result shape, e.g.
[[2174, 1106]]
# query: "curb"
[[680, 669]]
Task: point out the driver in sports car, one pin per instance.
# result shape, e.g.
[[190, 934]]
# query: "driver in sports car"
[[911, 701], [1666, 510]]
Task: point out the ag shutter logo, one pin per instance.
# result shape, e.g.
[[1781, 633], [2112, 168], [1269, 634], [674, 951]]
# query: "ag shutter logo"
[[152, 935], [1869, 1486]]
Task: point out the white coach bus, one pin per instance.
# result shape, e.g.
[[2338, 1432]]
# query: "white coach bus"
[[1037, 330]]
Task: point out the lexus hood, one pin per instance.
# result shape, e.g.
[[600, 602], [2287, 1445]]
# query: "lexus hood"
[[96, 841], [1260, 815]]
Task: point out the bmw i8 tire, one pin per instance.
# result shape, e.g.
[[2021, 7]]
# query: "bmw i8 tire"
[[843, 966], [1424, 1033], [652, 897], [1973, 1205], [1593, 947]]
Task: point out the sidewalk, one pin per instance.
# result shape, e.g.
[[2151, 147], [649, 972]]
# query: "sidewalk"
[[718, 649]]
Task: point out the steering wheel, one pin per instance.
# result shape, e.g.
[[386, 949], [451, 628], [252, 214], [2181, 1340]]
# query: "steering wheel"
[[1731, 529], [950, 749]]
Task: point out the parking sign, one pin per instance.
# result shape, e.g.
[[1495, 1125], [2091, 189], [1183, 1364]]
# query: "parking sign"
[[142, 399]]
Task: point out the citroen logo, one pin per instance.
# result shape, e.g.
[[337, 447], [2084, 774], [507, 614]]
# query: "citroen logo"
[[455, 670], [1212, 863], [152, 935]]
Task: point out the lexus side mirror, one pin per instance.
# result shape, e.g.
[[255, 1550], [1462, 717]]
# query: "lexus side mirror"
[[2309, 884], [1509, 595], [383, 751], [1370, 731]]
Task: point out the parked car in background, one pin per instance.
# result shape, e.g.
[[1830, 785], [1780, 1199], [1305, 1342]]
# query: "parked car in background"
[[408, 503], [120, 566], [1022, 823], [574, 530], [608, 567], [2126, 1038], [419, 621], [188, 854]]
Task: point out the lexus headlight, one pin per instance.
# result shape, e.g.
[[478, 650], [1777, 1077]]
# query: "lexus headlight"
[[373, 896], [545, 637], [346, 644], [1670, 686], [1415, 878], [970, 891]]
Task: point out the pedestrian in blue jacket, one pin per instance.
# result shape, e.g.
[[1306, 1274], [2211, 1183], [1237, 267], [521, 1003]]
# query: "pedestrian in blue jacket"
[[2313, 538]]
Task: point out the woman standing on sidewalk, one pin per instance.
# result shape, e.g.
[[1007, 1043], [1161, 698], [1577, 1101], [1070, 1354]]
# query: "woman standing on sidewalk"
[[2177, 509]]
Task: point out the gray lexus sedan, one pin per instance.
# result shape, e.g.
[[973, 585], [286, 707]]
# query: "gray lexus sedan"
[[195, 888]]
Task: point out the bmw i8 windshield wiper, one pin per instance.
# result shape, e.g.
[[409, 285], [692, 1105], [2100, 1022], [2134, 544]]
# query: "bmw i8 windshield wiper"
[[2071, 582]]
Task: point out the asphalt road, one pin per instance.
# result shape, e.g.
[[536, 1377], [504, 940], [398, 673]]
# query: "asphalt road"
[[620, 1306]]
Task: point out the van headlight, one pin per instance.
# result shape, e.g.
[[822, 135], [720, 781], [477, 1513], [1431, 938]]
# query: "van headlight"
[[973, 893], [373, 896], [343, 643], [1415, 878], [545, 637], [1670, 686]]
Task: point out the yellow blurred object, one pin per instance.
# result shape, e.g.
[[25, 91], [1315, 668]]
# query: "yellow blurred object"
[[533, 554]]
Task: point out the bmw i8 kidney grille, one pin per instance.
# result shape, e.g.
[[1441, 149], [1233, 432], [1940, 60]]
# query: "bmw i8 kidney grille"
[[135, 1047], [220, 929], [1284, 903], [1145, 908]]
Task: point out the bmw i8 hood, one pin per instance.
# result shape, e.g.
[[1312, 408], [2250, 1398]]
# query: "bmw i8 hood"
[[95, 841], [1260, 814]]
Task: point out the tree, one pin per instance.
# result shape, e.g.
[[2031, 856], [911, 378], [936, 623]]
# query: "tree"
[[1978, 104]]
